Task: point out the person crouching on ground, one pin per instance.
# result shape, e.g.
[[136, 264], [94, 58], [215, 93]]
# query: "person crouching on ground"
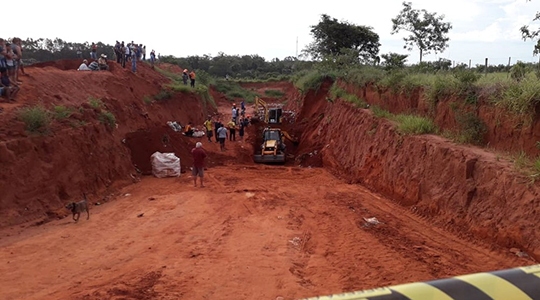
[[102, 62], [84, 66], [7, 89], [198, 163], [189, 129]]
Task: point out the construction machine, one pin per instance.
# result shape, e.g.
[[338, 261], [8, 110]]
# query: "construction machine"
[[273, 149], [267, 114]]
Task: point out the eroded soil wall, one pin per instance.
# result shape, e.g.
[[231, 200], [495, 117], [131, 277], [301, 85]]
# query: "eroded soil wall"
[[464, 189], [503, 130], [40, 173]]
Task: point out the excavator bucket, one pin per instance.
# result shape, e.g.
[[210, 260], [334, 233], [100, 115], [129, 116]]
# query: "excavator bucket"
[[279, 158]]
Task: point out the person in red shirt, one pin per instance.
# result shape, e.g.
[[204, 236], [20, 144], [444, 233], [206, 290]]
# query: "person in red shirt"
[[198, 163]]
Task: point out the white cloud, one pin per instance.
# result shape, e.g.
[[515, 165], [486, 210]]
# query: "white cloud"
[[266, 28]]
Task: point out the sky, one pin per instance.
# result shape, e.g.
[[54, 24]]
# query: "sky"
[[275, 29]]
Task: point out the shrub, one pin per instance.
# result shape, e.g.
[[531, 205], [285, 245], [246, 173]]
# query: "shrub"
[[147, 100], [36, 118], [107, 118], [443, 86], [61, 112], [518, 71], [521, 97], [471, 128], [95, 102]]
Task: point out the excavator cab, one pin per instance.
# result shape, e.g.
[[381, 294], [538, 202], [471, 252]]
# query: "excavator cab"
[[274, 115]]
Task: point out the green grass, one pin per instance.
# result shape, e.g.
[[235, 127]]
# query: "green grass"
[[337, 92], [234, 90], [311, 80], [107, 118], [61, 112], [205, 95], [414, 125], [180, 87], [381, 113], [163, 94], [407, 124], [36, 118], [274, 93]]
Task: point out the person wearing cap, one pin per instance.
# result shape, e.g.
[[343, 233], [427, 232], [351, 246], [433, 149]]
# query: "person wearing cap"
[[84, 66], [185, 76], [199, 155], [102, 62]]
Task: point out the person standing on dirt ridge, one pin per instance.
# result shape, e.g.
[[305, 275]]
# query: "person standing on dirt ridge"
[[192, 77], [198, 163], [208, 124], [152, 58], [134, 61], [93, 51], [185, 76], [222, 134]]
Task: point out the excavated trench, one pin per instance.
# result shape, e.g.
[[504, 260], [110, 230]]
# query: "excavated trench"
[[307, 223]]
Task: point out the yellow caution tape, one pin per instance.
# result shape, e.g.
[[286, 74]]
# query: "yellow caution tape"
[[494, 287], [512, 284]]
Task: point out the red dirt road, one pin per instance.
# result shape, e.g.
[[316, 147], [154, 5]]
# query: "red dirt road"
[[255, 232]]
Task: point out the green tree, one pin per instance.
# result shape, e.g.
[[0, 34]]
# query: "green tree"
[[394, 60], [427, 31], [331, 37], [527, 33]]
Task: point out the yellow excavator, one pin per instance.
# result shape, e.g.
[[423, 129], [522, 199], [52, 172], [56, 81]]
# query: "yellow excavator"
[[273, 149], [269, 115]]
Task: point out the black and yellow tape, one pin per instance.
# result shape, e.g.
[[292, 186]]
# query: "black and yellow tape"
[[512, 284]]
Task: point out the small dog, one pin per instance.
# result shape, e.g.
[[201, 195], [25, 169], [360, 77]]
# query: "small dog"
[[77, 207]]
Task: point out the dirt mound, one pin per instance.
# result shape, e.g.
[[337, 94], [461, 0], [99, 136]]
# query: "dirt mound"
[[81, 151]]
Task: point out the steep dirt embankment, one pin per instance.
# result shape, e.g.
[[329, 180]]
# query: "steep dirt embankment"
[[461, 188], [504, 131], [80, 153]]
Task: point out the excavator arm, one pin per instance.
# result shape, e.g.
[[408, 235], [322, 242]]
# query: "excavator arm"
[[289, 137], [261, 105]]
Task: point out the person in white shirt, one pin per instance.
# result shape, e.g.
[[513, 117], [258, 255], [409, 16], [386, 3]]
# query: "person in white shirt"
[[84, 66]]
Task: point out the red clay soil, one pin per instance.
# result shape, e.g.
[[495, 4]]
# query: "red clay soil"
[[504, 131], [40, 172], [254, 231], [466, 190]]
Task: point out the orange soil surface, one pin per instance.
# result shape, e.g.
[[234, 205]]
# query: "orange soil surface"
[[254, 231]]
